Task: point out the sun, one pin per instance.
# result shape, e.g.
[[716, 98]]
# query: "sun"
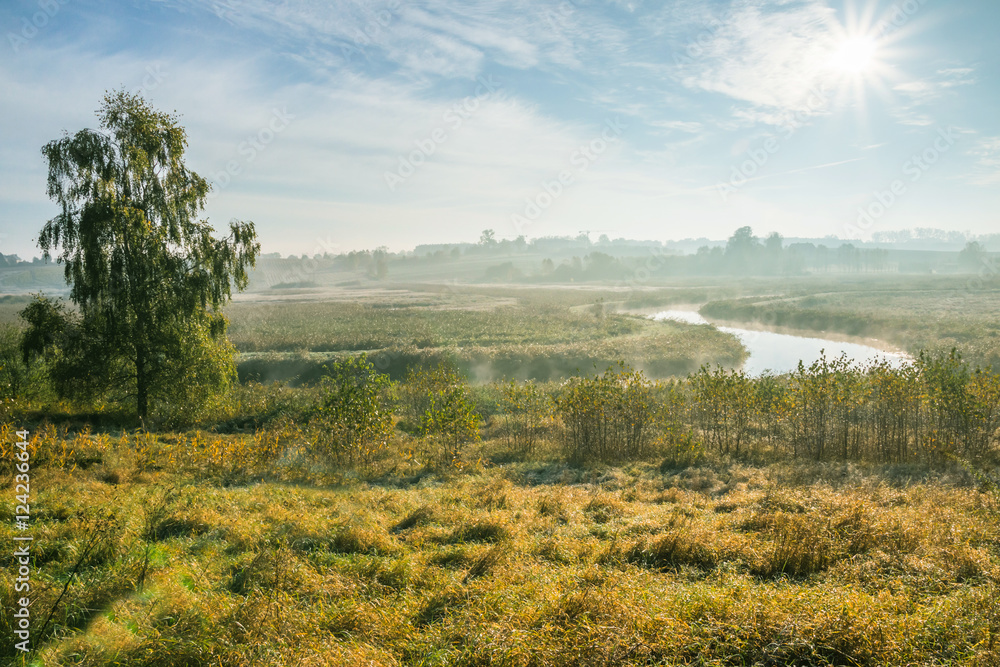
[[854, 56], [858, 59]]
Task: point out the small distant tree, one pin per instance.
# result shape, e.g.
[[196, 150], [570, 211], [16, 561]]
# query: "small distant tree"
[[488, 238], [525, 411], [773, 244], [972, 256], [440, 400], [380, 263], [608, 417], [355, 418], [146, 275], [773, 253], [741, 251]]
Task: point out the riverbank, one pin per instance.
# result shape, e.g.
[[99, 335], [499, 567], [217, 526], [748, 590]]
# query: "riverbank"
[[777, 353], [833, 336]]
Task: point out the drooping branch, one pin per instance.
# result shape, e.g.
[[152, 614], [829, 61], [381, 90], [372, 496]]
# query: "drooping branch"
[[138, 258]]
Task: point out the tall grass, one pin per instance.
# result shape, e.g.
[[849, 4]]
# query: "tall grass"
[[720, 564]]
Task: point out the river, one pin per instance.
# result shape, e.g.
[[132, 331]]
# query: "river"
[[780, 353]]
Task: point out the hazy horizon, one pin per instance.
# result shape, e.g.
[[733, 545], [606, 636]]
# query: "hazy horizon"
[[398, 124]]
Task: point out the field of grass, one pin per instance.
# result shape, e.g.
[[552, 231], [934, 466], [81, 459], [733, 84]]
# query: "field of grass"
[[201, 549], [552, 332], [542, 339], [837, 516]]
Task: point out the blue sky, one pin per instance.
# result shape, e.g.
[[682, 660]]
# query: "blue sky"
[[336, 126]]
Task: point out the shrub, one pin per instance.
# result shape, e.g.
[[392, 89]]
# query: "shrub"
[[526, 408], [441, 401], [15, 375], [608, 417], [420, 385], [724, 407], [355, 417]]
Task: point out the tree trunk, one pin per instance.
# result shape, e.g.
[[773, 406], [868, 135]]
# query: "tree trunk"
[[141, 384]]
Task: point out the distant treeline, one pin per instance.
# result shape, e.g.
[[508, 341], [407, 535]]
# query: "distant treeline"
[[564, 260], [744, 254], [14, 260]]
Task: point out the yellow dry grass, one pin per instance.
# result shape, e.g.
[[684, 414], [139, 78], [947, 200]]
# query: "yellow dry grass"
[[197, 561]]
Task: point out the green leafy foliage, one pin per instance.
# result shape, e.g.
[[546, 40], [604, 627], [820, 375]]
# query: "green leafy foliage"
[[355, 418], [17, 376], [146, 274], [525, 410], [71, 348], [442, 404], [608, 417]]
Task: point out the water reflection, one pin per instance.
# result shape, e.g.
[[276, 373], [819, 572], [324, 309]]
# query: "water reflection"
[[781, 353]]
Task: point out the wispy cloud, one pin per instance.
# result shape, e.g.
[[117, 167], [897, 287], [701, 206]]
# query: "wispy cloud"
[[918, 95], [766, 54], [987, 155], [925, 91], [437, 38], [688, 126], [815, 167]]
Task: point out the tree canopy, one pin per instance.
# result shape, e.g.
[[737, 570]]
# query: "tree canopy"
[[146, 273]]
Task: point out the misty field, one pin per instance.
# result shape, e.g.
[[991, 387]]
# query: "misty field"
[[526, 338], [503, 334], [481, 476]]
